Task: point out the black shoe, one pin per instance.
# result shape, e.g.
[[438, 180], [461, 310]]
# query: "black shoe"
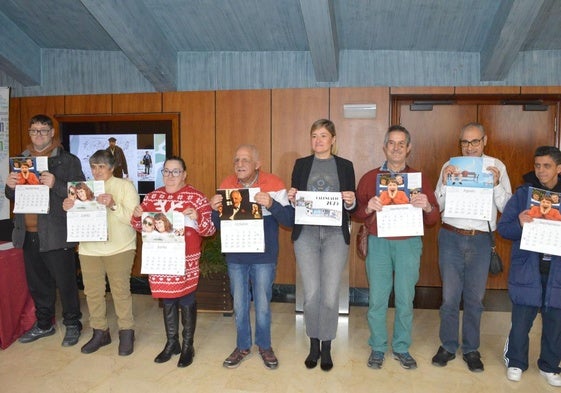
[[36, 333], [442, 357], [313, 357], [126, 342], [98, 340], [71, 336], [473, 360], [326, 361]]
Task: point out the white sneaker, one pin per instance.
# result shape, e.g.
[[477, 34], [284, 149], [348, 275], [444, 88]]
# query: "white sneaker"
[[552, 378], [514, 374]]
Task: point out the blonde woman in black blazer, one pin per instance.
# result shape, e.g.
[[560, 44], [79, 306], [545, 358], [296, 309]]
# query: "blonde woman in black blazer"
[[321, 251]]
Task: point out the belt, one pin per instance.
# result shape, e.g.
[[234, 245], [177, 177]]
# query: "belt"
[[465, 232]]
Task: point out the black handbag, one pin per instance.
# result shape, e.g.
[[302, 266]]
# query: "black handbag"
[[496, 264]]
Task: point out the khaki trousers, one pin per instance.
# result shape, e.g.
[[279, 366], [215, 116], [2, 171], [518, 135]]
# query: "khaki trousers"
[[117, 268]]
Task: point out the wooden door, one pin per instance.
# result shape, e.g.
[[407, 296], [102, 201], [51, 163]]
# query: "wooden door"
[[513, 135]]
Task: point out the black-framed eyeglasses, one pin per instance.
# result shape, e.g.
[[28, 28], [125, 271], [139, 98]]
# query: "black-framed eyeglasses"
[[473, 142], [41, 132], [149, 223], [173, 173]]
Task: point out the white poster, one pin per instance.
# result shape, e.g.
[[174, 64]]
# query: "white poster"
[[4, 149]]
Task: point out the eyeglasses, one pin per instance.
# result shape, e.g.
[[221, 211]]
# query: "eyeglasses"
[[42, 132], [149, 223], [474, 142], [174, 173]]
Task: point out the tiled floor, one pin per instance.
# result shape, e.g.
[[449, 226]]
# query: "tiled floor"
[[44, 366]]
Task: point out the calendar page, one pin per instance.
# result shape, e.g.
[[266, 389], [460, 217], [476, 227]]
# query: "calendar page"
[[31, 199], [400, 220], [469, 189], [87, 220], [163, 243], [163, 258], [242, 236], [543, 234], [86, 226], [318, 208], [398, 217]]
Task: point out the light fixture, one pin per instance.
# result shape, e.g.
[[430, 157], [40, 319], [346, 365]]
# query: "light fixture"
[[359, 111]]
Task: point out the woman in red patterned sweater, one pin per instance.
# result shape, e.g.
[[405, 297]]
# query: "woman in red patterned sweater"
[[178, 292]]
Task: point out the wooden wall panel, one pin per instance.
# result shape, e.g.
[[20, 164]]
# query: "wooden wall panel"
[[98, 104], [422, 90], [540, 90], [492, 90], [242, 116], [15, 127], [360, 140], [293, 112], [197, 138], [31, 106], [137, 103]]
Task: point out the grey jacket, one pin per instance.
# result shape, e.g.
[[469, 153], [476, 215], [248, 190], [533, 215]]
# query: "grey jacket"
[[51, 226]]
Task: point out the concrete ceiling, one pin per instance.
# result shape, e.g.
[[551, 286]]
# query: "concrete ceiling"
[[151, 33]]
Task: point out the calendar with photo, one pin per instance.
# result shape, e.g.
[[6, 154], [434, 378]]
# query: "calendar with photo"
[[241, 221], [469, 188], [398, 217], [163, 243], [318, 208], [87, 220], [543, 234], [30, 195]]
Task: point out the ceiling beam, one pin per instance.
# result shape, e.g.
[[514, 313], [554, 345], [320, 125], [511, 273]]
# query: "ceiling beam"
[[133, 28], [20, 57], [319, 21], [509, 31]]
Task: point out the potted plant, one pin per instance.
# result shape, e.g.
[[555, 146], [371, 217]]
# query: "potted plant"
[[213, 293]]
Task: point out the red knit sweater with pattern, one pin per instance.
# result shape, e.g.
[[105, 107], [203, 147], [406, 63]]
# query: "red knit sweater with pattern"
[[167, 286]]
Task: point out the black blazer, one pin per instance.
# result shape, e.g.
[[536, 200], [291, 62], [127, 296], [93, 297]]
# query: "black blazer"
[[346, 174]]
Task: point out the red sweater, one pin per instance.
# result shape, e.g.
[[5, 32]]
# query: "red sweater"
[[367, 189], [167, 286]]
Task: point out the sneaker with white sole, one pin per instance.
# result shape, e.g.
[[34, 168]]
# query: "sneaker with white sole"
[[514, 374], [554, 379]]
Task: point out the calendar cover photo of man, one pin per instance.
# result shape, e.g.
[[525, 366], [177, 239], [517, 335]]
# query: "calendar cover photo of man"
[[239, 204]]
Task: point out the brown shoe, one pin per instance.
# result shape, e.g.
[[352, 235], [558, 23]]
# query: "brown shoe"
[[98, 340], [269, 359], [236, 358], [126, 342]]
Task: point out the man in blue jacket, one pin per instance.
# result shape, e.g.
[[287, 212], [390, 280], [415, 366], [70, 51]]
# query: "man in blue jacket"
[[534, 280]]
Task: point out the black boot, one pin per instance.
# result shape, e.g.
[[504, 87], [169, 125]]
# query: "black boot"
[[98, 340], [312, 359], [171, 323], [126, 342], [189, 320], [326, 361]]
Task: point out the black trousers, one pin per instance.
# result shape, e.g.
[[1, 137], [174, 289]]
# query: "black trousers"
[[45, 272]]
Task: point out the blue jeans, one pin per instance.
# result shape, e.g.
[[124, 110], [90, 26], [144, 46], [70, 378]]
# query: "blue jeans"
[[392, 263], [464, 267], [260, 278], [321, 254], [516, 349]]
